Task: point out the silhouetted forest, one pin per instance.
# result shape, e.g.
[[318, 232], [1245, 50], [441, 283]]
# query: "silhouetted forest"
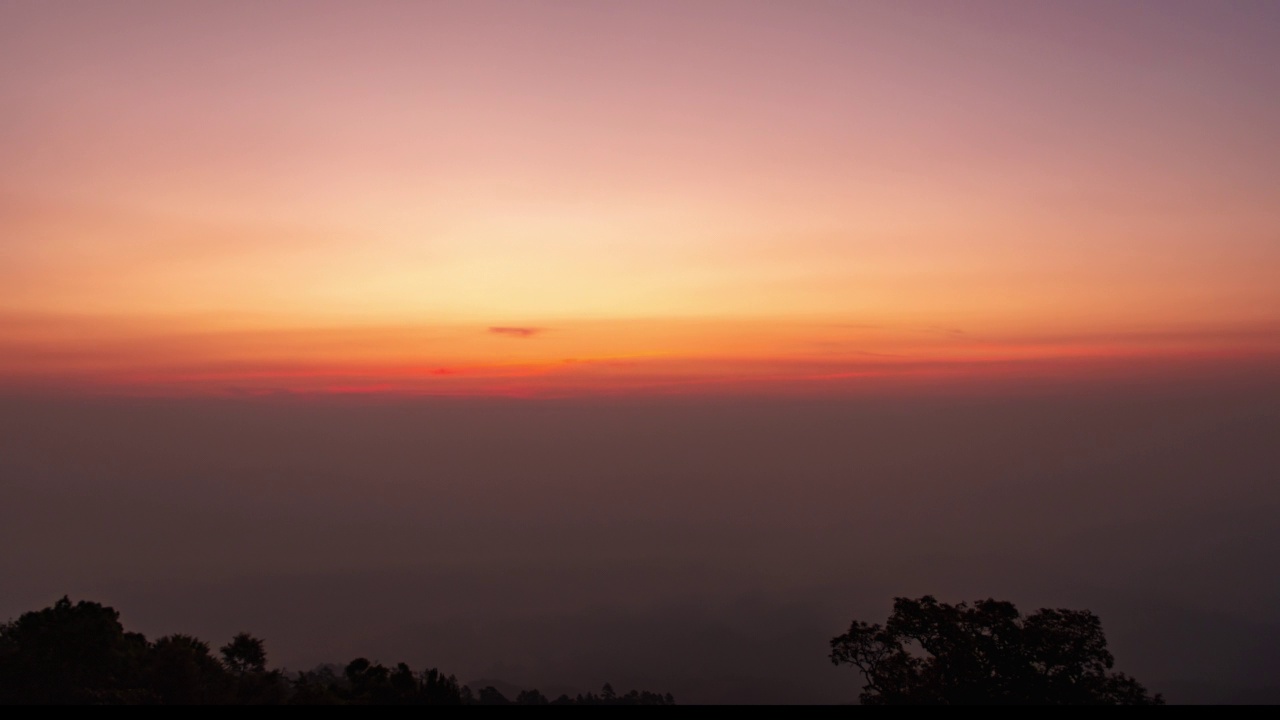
[[80, 654], [928, 653]]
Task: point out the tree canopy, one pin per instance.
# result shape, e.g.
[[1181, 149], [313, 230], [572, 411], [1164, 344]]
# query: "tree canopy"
[[79, 653], [934, 653]]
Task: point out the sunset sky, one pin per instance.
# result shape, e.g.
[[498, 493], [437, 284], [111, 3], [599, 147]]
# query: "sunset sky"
[[559, 198], [650, 342]]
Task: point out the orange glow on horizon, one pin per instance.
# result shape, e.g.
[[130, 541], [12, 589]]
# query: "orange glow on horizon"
[[585, 359]]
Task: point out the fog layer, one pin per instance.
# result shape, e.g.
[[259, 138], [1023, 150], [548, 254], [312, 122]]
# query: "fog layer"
[[707, 548]]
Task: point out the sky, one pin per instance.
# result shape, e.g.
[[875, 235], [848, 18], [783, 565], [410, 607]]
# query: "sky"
[[562, 342], [551, 198]]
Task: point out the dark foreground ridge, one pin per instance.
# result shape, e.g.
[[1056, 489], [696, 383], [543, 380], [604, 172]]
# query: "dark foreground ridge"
[[80, 654]]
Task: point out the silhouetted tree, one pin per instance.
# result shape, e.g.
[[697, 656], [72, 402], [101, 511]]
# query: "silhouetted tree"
[[608, 696], [71, 653], [245, 654], [246, 658], [531, 697], [491, 696], [321, 686], [438, 689], [369, 683], [181, 671], [934, 653]]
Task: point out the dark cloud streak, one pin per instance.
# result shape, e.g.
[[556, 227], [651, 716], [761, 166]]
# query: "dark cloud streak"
[[516, 332]]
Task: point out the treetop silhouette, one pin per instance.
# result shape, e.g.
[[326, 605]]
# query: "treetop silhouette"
[[79, 653], [933, 653]]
